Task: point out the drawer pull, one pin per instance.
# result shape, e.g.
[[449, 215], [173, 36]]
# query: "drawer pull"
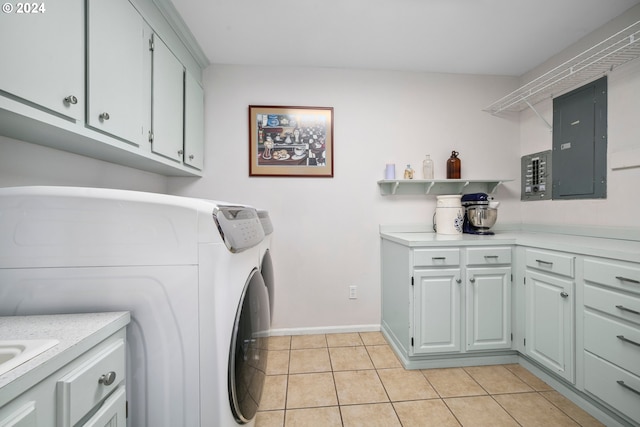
[[108, 378], [623, 308], [626, 279], [438, 258], [541, 261], [491, 256], [622, 337], [628, 387]]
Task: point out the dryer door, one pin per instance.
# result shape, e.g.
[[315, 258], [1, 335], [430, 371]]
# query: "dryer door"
[[266, 269], [248, 355]]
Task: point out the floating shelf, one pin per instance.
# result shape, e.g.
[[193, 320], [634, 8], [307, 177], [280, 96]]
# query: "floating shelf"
[[437, 186], [616, 50]]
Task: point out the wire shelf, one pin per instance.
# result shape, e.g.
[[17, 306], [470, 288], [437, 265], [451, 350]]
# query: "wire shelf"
[[616, 50]]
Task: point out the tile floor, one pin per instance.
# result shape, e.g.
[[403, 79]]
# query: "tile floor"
[[355, 379]]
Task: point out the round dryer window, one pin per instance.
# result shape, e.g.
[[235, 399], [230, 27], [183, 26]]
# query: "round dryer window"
[[248, 356]]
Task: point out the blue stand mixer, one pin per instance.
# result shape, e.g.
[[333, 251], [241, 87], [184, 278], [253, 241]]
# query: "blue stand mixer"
[[478, 216]]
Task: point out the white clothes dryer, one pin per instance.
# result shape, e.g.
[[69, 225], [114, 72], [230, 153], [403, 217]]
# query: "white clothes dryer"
[[265, 260], [185, 268]]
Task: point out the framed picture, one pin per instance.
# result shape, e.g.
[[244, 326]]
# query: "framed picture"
[[290, 141]]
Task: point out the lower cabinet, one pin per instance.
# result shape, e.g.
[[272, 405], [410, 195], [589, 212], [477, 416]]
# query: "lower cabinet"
[[550, 313], [488, 303], [436, 311], [89, 391], [612, 334]]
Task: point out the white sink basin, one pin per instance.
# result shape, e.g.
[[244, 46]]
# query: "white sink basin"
[[16, 352]]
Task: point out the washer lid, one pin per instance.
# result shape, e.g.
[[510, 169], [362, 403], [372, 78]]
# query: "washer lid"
[[239, 226]]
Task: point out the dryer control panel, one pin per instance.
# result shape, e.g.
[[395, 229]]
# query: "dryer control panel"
[[239, 227]]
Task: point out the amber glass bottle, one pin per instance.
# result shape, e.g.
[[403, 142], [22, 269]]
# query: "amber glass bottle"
[[453, 166]]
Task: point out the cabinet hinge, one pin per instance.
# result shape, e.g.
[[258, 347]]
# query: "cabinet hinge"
[[512, 278], [525, 342], [152, 45], [525, 281], [411, 341], [511, 337], [126, 409], [411, 280], [150, 136]]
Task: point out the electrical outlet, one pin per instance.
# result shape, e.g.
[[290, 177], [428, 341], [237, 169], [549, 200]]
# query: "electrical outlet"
[[353, 292]]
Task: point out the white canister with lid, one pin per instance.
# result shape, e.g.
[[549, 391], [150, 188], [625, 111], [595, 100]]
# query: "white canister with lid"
[[449, 215]]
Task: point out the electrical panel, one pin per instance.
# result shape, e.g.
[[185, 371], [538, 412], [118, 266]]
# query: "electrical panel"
[[536, 176]]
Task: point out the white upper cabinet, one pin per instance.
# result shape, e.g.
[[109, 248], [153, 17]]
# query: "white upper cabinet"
[[43, 56], [193, 122], [117, 38], [167, 102]]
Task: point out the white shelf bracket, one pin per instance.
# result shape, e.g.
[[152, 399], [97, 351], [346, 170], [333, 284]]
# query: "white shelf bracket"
[[539, 115], [429, 187], [395, 187]]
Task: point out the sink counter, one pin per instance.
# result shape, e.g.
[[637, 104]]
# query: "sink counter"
[[76, 334], [627, 250]]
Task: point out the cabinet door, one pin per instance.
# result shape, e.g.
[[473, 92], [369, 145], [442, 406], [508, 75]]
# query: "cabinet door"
[[193, 123], [436, 311], [167, 109], [118, 42], [549, 322], [488, 302], [43, 56], [112, 413]]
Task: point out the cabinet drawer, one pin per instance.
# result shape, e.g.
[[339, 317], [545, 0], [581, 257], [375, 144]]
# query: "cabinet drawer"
[[436, 257], [81, 389], [553, 262], [617, 342], [489, 256], [617, 274], [613, 385], [615, 303]]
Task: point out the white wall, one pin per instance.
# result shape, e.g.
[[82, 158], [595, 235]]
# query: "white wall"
[[22, 163], [326, 229], [620, 207]]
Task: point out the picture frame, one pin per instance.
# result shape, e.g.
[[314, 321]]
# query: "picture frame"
[[291, 141]]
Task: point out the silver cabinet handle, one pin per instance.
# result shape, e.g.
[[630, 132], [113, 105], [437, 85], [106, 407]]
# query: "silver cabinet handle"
[[623, 308], [491, 256], [564, 294], [191, 157], [180, 152], [71, 100], [458, 281], [438, 258], [104, 116], [626, 279], [472, 280], [628, 387], [541, 261], [623, 338], [108, 378]]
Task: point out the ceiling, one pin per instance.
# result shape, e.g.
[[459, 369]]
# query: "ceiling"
[[497, 37]]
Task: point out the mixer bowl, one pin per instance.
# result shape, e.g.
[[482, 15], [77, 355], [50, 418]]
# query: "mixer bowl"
[[482, 217]]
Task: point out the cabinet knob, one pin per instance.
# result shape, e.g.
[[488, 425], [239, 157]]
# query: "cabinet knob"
[[191, 156], [71, 100], [104, 116], [108, 378], [180, 152], [458, 281], [564, 294], [472, 280]]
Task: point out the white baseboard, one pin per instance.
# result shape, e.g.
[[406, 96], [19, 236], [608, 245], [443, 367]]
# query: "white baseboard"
[[325, 330]]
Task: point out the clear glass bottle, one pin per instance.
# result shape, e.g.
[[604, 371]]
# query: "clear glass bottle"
[[453, 166], [427, 168]]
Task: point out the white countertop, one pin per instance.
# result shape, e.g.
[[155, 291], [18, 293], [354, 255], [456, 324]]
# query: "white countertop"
[[76, 334], [626, 250]]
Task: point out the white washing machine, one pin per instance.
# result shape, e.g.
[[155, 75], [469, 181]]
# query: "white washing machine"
[[185, 268], [265, 258]]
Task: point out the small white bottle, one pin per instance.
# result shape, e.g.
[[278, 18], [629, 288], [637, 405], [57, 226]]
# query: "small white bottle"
[[427, 168]]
